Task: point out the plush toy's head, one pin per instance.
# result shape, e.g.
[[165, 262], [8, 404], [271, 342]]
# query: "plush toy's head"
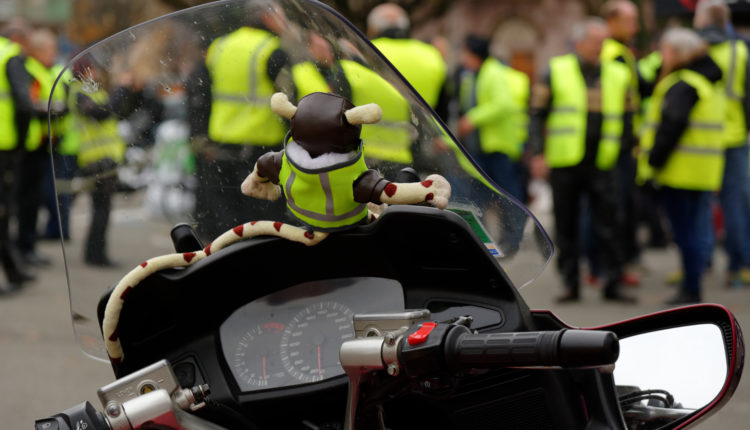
[[325, 122]]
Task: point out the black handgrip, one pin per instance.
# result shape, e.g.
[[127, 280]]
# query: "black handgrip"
[[564, 348]]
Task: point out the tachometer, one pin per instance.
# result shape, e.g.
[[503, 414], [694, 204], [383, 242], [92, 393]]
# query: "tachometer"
[[256, 360], [310, 343]]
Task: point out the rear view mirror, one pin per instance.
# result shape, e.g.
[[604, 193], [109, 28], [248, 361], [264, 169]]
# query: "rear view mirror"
[[678, 366], [669, 374]]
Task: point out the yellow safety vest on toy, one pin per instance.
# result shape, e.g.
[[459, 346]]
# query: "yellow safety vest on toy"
[[420, 63], [565, 144], [9, 134], [241, 89], [323, 198], [731, 57], [697, 163], [99, 140]]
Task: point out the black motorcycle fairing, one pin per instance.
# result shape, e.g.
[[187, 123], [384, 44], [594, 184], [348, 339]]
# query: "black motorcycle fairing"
[[440, 264]]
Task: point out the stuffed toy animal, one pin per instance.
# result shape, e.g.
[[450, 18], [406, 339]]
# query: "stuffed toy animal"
[[322, 170], [326, 183]]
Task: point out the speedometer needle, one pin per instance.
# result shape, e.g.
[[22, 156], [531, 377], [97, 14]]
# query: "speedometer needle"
[[320, 371], [264, 368]]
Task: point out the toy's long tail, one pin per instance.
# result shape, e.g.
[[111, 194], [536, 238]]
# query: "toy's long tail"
[[169, 261]]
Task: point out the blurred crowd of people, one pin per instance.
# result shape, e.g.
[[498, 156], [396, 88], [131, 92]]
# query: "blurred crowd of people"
[[620, 139]]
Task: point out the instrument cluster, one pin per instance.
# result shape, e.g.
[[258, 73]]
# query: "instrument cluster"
[[293, 337]]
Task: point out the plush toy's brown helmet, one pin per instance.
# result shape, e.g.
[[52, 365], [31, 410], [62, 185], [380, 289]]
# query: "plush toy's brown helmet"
[[325, 122]]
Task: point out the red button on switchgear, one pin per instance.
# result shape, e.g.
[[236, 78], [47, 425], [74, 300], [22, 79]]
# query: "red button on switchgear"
[[420, 336]]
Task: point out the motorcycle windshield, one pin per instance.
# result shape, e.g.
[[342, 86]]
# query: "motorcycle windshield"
[[161, 123]]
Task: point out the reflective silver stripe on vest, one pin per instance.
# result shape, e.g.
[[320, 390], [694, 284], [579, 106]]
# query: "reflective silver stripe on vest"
[[329, 215], [610, 136], [706, 125], [564, 109], [555, 131], [693, 150], [616, 116], [729, 82], [693, 124]]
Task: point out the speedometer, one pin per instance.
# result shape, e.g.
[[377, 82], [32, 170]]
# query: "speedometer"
[[310, 343], [255, 362]]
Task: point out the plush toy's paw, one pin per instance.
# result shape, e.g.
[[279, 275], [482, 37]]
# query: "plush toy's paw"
[[434, 190], [254, 186], [442, 192]]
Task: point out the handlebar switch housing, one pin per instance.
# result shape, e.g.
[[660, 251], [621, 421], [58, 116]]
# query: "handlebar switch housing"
[[422, 350]]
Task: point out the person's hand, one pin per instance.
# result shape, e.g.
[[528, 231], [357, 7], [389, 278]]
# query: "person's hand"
[[538, 167], [464, 126]]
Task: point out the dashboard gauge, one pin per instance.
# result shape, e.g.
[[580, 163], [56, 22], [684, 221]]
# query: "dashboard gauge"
[[256, 360], [311, 341]]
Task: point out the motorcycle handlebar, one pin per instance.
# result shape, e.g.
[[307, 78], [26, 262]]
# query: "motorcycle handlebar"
[[564, 348], [81, 416]]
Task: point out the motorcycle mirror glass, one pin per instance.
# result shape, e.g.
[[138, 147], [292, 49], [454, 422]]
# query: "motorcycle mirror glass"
[[138, 156], [666, 375]]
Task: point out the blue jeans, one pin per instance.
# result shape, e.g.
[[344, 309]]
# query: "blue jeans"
[[735, 202], [508, 174], [686, 211]]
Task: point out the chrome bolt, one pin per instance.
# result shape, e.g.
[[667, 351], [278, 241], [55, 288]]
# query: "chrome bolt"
[[390, 339], [393, 369], [113, 410]]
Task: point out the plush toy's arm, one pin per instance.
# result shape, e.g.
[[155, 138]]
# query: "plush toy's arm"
[[371, 187], [263, 182], [434, 190]]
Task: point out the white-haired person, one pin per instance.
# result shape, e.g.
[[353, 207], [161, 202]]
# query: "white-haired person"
[[682, 147]]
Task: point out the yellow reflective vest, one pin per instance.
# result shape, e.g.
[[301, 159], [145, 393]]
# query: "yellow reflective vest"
[[389, 139], [420, 63], [9, 134], [500, 114], [64, 127], [323, 198], [41, 89], [697, 163], [731, 57], [565, 144], [613, 49], [241, 89], [98, 140]]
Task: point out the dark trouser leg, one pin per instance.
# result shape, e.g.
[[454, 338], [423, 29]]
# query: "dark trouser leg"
[[566, 196], [603, 195], [627, 204], [101, 201], [683, 209], [9, 161], [508, 175], [33, 166], [733, 204]]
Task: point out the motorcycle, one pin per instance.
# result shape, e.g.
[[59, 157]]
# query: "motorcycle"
[[411, 320]]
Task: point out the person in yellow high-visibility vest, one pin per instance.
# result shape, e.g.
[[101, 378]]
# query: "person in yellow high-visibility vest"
[[712, 17], [422, 65], [622, 21], [15, 111], [683, 148], [42, 50], [243, 67], [577, 124]]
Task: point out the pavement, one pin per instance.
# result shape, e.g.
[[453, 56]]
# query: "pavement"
[[43, 371]]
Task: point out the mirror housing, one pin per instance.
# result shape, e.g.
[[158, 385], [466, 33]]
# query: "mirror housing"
[[716, 315]]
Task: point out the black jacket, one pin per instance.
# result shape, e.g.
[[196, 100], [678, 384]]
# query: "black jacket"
[[678, 102]]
